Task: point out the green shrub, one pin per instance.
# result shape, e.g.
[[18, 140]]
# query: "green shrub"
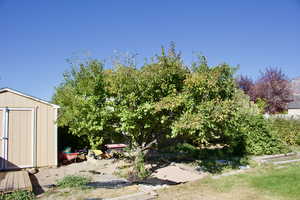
[[250, 132], [245, 134], [72, 181], [287, 129], [18, 195], [187, 148], [261, 139], [252, 135]]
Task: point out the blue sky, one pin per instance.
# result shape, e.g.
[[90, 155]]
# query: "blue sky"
[[36, 37]]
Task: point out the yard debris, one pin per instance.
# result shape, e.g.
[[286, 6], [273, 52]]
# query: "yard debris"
[[67, 157], [112, 148], [107, 151], [98, 154]]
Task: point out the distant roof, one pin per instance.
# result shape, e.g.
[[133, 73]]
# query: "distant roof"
[[295, 86], [28, 96], [295, 104]]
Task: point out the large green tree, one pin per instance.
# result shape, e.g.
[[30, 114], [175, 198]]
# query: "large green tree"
[[162, 99]]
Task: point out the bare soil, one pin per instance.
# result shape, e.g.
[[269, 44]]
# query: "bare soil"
[[101, 173], [105, 184]]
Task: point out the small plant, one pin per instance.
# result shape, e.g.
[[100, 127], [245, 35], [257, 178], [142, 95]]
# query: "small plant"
[[73, 181], [18, 195], [139, 169]]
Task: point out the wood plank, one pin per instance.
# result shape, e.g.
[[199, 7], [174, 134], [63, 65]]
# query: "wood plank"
[[15, 180], [14, 184], [28, 185], [2, 180], [21, 182], [8, 182]]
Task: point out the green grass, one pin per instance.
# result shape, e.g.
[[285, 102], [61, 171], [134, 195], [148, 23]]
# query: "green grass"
[[18, 195], [73, 181], [262, 183], [284, 182]]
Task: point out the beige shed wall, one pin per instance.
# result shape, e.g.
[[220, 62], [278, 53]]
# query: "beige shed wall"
[[1, 133], [45, 125], [294, 111]]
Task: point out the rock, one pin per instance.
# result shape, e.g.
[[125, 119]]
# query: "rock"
[[176, 174], [33, 171], [244, 167]]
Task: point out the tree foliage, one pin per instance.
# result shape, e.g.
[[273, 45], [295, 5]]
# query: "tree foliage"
[[247, 85], [84, 106], [162, 99], [272, 87]]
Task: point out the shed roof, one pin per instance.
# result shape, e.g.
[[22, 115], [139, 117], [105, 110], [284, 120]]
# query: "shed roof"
[[295, 104], [28, 96], [295, 86]]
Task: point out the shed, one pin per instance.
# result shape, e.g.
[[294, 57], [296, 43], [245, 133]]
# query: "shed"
[[28, 131]]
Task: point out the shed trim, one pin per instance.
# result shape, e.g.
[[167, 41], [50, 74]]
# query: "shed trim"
[[55, 138], [34, 139], [28, 96], [3, 135]]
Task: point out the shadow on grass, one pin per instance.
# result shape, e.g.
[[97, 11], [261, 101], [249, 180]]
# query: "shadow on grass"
[[207, 160], [109, 184], [216, 166], [155, 181], [114, 184]]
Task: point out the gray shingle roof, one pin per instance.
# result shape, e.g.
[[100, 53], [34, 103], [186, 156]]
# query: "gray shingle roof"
[[295, 86], [295, 104]]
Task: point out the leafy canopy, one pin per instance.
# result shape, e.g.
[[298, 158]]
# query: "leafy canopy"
[[163, 99]]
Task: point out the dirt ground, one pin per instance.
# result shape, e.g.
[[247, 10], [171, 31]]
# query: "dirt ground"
[[101, 173], [105, 184], [98, 170], [171, 181]]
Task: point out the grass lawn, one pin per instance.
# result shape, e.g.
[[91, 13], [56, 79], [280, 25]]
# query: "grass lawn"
[[267, 183]]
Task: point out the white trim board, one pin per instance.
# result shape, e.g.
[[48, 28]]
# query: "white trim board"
[[55, 137]]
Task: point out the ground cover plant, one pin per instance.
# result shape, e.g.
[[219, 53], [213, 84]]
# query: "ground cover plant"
[[73, 181], [18, 195]]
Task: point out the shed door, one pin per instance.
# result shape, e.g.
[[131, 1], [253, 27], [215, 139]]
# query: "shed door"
[[17, 140]]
